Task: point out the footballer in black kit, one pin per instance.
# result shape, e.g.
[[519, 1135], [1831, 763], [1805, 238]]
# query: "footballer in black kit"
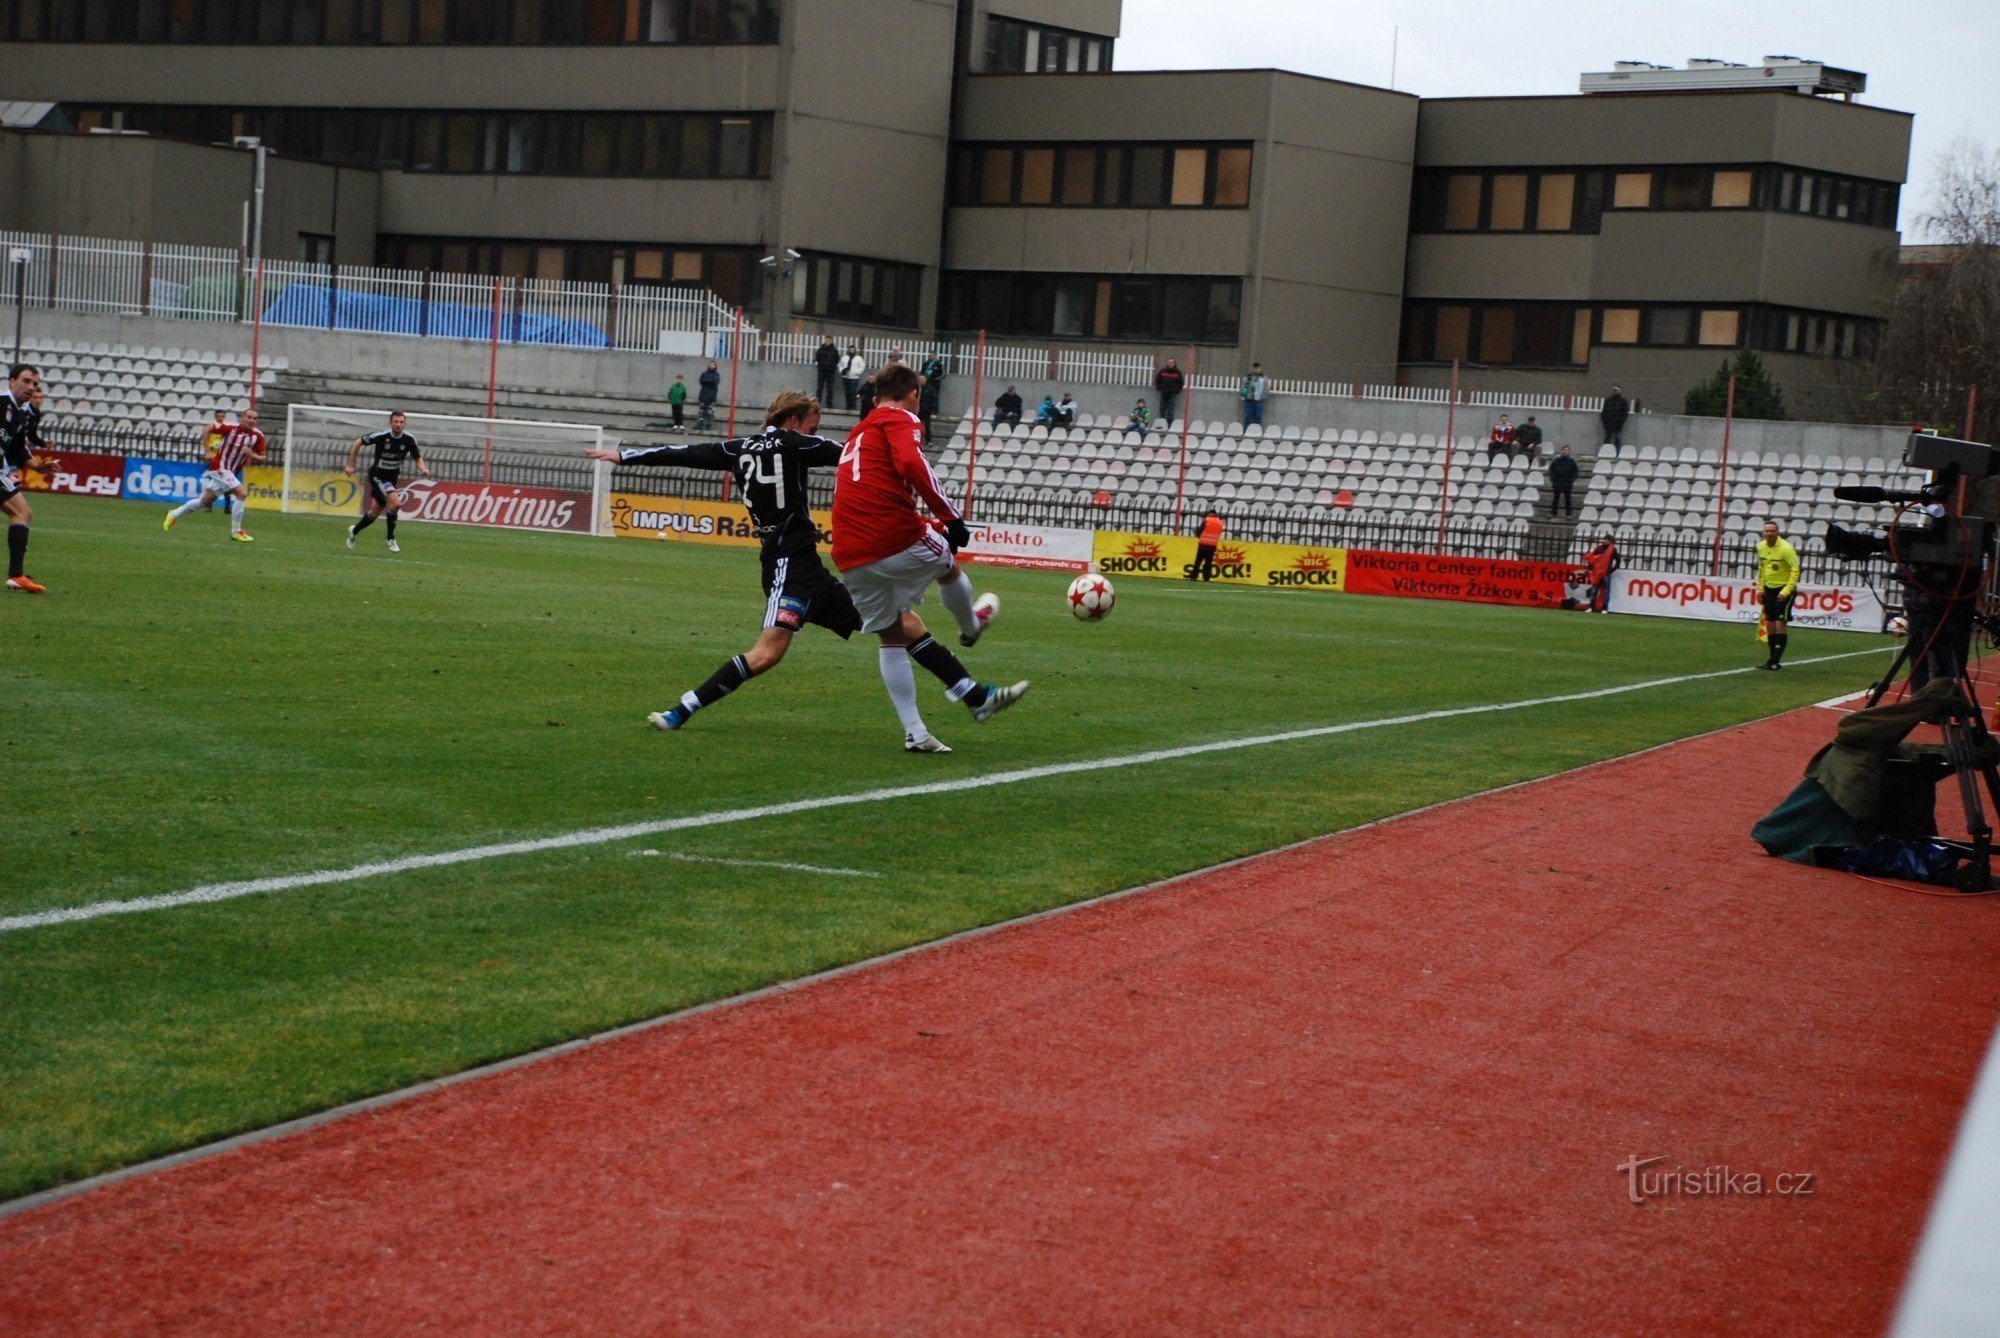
[[19, 405], [771, 471], [384, 492]]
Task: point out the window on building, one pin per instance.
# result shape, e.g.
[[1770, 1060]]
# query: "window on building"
[[1496, 334], [1632, 190], [1719, 328], [1619, 325], [316, 248], [1461, 201], [1668, 326], [1144, 307], [1232, 178], [437, 22], [996, 176], [1079, 176], [853, 288], [1682, 188], [1454, 333], [1038, 176], [1190, 185], [1146, 176], [1017, 47], [1733, 189], [1579, 338], [1555, 201], [1509, 210]]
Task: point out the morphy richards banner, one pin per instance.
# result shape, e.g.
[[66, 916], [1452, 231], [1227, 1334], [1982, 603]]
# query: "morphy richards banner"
[[1660, 594]]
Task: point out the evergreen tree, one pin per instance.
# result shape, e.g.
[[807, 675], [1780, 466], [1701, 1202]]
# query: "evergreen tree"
[[1757, 395]]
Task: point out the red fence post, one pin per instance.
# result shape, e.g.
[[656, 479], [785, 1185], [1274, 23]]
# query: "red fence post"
[[1728, 420], [1187, 412], [1450, 440], [256, 331], [978, 413]]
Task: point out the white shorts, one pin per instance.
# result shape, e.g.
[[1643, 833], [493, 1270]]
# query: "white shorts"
[[883, 591], [219, 482]]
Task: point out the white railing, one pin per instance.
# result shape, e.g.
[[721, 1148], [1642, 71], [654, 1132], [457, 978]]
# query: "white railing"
[[90, 274]]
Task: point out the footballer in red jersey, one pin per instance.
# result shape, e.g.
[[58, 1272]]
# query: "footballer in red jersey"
[[889, 554], [239, 445]]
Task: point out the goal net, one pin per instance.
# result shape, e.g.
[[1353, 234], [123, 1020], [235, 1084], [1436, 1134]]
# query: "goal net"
[[504, 472]]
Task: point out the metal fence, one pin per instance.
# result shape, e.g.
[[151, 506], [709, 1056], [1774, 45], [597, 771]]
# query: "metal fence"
[[114, 277]]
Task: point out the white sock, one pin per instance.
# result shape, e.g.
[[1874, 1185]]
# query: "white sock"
[[236, 515], [185, 507], [956, 592], [901, 681]]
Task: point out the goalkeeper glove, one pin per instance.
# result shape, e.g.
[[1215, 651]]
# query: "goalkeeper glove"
[[956, 534]]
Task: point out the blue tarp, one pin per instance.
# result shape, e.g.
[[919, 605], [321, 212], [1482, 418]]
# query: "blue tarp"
[[306, 304]]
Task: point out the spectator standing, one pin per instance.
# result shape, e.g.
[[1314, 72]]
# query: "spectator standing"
[[1255, 387], [1139, 419], [1169, 382], [1066, 411], [1613, 415], [932, 394], [826, 361], [709, 388], [1205, 541], [1562, 479], [677, 398], [1500, 441], [1007, 409], [1528, 439], [1598, 564], [852, 368], [895, 356]]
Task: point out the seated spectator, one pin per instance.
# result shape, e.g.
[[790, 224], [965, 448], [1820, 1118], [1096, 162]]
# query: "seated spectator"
[[1528, 439], [1045, 414], [1007, 409], [1066, 411], [1501, 440], [1139, 419]]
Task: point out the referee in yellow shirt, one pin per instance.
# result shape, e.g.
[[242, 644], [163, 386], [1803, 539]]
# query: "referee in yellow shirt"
[[1778, 582]]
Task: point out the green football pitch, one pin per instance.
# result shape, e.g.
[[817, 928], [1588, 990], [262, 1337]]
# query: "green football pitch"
[[185, 711]]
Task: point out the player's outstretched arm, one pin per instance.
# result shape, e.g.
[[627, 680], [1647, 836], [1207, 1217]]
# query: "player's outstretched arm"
[[700, 455]]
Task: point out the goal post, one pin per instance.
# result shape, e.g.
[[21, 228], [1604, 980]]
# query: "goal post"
[[512, 473]]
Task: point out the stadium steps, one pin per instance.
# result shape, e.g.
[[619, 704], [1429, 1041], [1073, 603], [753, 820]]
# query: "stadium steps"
[[1553, 538]]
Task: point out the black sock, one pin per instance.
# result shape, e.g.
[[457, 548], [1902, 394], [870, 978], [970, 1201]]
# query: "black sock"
[[363, 523], [17, 549], [731, 676], [945, 667], [390, 521], [1778, 640]]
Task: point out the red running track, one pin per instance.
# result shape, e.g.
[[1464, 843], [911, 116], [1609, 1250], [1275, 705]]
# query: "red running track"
[[1378, 1083]]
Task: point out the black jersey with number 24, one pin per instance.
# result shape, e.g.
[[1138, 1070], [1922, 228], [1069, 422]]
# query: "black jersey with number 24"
[[771, 471]]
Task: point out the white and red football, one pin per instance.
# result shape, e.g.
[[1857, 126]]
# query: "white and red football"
[[1091, 597]]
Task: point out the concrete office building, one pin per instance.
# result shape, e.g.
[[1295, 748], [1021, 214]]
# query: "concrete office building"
[[940, 165]]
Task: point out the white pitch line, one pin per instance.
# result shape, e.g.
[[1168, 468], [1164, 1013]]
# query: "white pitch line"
[[210, 893], [763, 864]]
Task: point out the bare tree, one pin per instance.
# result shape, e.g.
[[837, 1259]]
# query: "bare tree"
[[1943, 337]]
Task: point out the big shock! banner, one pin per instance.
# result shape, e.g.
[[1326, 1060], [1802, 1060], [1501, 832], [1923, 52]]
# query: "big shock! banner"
[[1172, 557], [498, 504], [1472, 580], [1660, 594]]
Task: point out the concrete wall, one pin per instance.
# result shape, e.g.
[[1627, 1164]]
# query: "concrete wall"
[[134, 187]]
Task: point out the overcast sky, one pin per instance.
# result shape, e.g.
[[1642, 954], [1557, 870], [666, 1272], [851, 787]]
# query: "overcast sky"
[[1939, 59]]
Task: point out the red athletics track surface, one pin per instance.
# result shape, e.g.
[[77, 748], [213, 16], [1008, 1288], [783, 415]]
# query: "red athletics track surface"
[[1380, 1083]]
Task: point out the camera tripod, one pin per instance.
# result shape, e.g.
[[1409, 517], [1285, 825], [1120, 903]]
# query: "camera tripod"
[[1970, 750]]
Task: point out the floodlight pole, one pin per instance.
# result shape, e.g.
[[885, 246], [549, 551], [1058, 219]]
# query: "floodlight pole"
[[256, 332], [20, 258]]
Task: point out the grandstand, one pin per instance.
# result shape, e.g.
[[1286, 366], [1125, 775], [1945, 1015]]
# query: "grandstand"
[[149, 391]]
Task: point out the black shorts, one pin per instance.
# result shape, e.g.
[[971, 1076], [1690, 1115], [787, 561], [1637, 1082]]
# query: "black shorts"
[[799, 590], [1778, 606], [380, 486]]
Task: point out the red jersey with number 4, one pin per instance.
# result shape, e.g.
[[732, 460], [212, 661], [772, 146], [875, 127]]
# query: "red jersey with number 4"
[[238, 445], [882, 474]]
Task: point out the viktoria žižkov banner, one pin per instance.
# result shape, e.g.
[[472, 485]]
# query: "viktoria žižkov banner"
[[1473, 580]]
